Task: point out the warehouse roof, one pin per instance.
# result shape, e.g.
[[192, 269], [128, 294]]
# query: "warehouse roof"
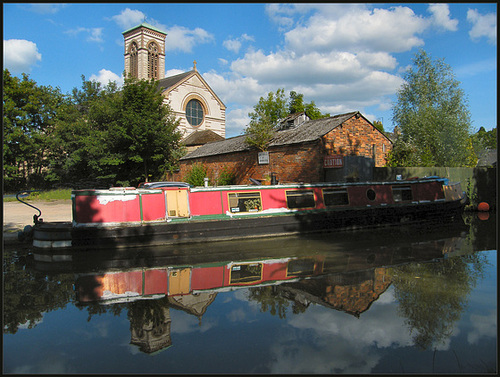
[[307, 132]]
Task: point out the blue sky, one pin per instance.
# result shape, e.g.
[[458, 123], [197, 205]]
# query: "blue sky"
[[344, 57]]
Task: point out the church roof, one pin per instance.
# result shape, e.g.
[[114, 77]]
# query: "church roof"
[[201, 137], [168, 82], [309, 131], [146, 25]]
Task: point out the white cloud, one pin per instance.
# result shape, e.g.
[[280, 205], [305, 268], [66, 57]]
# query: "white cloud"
[[46, 8], [476, 68], [105, 76], [441, 17], [20, 55], [184, 39], [93, 34], [388, 30], [233, 45], [482, 25], [129, 18], [482, 326]]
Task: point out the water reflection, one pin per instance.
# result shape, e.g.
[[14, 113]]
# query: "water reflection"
[[346, 273]]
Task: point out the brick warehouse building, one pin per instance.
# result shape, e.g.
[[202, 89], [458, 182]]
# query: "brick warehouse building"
[[297, 153]]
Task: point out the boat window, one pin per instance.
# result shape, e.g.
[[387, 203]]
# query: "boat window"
[[300, 199], [246, 273], [335, 197], [300, 267], [402, 193], [371, 194], [245, 201]]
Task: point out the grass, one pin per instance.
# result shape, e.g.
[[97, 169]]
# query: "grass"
[[60, 194]]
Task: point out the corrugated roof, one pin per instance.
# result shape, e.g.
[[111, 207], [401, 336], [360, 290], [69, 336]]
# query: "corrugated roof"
[[309, 131]]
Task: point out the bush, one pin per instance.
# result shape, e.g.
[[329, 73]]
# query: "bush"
[[197, 174], [225, 178]]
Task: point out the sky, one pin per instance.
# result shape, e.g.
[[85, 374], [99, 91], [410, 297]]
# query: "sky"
[[344, 57]]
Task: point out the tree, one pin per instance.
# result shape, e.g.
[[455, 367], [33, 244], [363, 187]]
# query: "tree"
[[269, 111], [432, 113], [378, 125], [264, 119], [29, 116], [296, 105], [113, 136]]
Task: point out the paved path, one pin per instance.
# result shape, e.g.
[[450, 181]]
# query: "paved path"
[[16, 215]]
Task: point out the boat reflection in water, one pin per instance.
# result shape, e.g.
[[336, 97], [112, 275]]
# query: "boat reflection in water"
[[347, 273]]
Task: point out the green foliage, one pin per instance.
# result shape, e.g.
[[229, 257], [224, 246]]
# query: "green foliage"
[[97, 137], [226, 177], [296, 105], [432, 296], [433, 116], [197, 174], [251, 204], [379, 126], [483, 139], [264, 119], [269, 111], [29, 117]]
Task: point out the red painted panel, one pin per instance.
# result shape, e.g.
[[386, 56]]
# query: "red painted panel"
[[155, 282], [428, 191], [107, 208], [274, 271], [153, 206], [207, 278], [273, 198], [205, 203], [358, 195]]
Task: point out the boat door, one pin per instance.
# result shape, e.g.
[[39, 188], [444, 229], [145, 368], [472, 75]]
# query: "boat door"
[[179, 281], [177, 203]]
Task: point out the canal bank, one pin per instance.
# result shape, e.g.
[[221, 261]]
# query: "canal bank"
[[17, 215]]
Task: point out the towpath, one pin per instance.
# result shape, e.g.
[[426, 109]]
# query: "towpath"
[[16, 215]]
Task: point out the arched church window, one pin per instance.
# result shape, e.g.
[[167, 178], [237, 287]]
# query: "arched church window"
[[134, 63], [153, 60], [194, 112]]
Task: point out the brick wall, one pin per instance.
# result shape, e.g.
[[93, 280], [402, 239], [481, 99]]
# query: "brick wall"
[[292, 163], [357, 137], [300, 162]]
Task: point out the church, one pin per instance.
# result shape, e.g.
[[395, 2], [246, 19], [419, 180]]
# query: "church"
[[192, 100]]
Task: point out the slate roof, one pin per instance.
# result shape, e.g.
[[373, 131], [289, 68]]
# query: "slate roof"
[[170, 81], [201, 137], [487, 157], [309, 131]]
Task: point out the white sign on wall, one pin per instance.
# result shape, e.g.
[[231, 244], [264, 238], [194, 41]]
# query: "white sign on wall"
[[263, 158]]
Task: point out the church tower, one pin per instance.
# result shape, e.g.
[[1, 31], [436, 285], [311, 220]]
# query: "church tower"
[[191, 99], [145, 52]]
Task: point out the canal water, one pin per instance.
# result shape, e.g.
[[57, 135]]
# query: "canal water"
[[405, 300]]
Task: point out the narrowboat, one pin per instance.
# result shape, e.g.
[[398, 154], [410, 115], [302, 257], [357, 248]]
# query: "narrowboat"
[[194, 275], [173, 214]]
